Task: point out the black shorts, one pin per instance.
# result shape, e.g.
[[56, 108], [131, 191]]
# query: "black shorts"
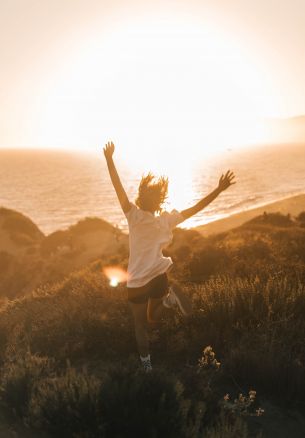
[[155, 288]]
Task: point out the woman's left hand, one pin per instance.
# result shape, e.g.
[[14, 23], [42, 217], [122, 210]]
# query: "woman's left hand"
[[226, 180]]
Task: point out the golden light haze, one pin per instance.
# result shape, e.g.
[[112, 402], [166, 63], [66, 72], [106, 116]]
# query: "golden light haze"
[[115, 274], [155, 77]]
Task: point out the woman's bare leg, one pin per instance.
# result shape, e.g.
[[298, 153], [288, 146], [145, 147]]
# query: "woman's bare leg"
[[155, 310], [140, 321]]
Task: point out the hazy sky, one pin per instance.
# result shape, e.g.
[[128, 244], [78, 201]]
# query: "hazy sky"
[[77, 72]]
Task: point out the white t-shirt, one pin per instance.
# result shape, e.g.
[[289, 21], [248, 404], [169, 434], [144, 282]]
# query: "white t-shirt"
[[148, 235]]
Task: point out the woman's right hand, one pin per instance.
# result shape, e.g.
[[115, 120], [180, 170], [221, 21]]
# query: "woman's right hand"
[[108, 150]]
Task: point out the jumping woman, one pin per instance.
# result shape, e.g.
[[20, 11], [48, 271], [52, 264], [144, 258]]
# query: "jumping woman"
[[150, 230]]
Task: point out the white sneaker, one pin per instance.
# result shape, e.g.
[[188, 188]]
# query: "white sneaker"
[[146, 363], [177, 297], [169, 300], [147, 366]]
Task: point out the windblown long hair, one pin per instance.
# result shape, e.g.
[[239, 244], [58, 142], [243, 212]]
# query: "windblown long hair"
[[152, 192]]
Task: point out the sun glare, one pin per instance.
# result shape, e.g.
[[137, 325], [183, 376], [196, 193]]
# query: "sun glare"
[[160, 90], [115, 275], [114, 282]]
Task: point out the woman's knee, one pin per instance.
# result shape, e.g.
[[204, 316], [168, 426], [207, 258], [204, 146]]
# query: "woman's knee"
[[140, 322]]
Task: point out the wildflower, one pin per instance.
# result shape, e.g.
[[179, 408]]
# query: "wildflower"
[[259, 412], [208, 359], [252, 395]]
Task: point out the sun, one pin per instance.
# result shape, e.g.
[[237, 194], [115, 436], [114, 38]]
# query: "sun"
[[159, 89]]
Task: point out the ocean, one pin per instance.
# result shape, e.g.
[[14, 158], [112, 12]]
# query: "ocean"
[[57, 188]]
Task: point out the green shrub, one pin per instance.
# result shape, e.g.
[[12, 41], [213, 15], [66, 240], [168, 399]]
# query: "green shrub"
[[51, 242], [6, 260], [127, 402], [257, 328], [15, 222], [67, 405], [227, 427], [90, 224], [254, 250], [80, 317], [275, 219], [18, 378], [22, 239], [207, 262], [301, 218], [139, 404]]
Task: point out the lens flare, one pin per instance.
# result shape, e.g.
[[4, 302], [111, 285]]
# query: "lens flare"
[[114, 282], [115, 275]]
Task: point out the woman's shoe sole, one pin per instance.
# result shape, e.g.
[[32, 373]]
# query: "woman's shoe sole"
[[183, 300]]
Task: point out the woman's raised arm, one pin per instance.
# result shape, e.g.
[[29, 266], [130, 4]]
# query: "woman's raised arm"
[[225, 181], [121, 194]]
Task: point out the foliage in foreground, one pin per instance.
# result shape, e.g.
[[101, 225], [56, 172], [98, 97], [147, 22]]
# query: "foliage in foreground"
[[83, 320], [251, 310], [256, 326], [123, 402]]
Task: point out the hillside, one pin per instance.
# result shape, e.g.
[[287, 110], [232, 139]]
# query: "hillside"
[[271, 241], [68, 360], [29, 258], [17, 232], [292, 205]]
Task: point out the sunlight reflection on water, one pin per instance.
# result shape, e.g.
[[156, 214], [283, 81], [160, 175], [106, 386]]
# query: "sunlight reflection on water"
[[58, 188]]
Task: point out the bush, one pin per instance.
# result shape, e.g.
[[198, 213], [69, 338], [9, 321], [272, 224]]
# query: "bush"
[[207, 262], [258, 329], [90, 224], [127, 402], [18, 378], [139, 404], [51, 242], [6, 260], [15, 222], [255, 250], [22, 239], [226, 427], [301, 218], [275, 219], [67, 405], [80, 317]]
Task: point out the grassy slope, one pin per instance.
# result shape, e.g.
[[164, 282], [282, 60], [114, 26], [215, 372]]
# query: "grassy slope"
[[293, 205], [247, 287], [247, 306], [255, 328], [28, 258]]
